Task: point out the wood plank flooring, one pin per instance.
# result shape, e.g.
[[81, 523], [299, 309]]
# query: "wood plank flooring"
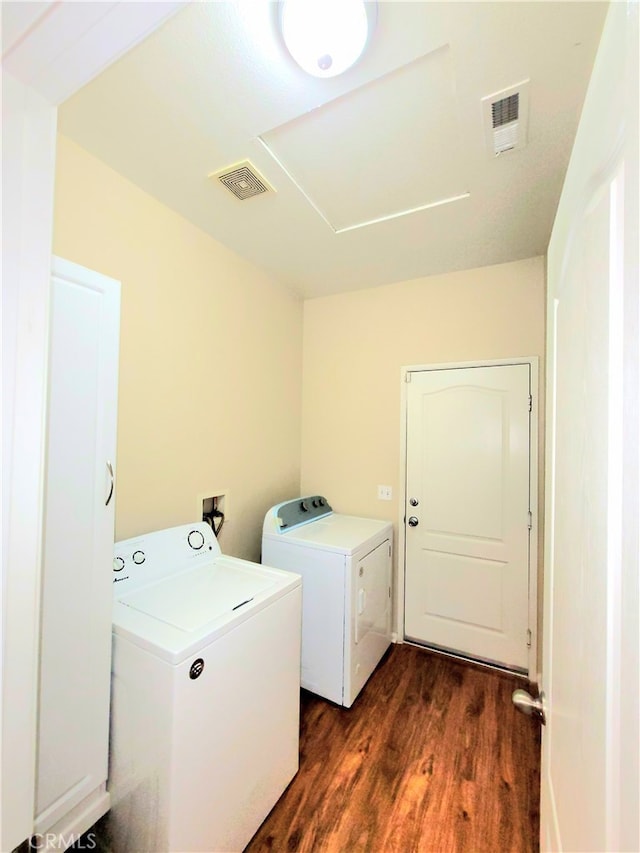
[[431, 757]]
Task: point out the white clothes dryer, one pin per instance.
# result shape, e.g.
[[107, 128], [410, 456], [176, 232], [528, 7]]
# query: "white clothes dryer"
[[345, 563], [205, 692]]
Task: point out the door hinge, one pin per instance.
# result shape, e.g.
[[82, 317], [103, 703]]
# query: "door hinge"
[[528, 638], [530, 522], [407, 376], [530, 403], [389, 550], [389, 592]]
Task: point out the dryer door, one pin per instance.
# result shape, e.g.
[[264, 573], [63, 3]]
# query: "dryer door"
[[370, 618], [373, 601]]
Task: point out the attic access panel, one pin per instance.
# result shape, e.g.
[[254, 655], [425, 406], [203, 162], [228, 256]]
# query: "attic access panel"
[[351, 159]]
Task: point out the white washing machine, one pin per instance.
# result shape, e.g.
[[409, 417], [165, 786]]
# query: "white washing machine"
[[205, 696], [345, 563]]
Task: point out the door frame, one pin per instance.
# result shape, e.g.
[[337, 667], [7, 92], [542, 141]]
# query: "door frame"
[[535, 489], [49, 52]]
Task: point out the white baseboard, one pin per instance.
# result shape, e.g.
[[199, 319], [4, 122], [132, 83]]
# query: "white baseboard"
[[75, 823]]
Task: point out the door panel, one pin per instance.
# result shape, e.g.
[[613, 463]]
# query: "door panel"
[[462, 429], [590, 744], [472, 593], [467, 560], [75, 666], [579, 622]]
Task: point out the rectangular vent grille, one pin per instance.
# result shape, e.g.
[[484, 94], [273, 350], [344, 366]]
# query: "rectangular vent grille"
[[243, 180], [506, 119], [505, 110]]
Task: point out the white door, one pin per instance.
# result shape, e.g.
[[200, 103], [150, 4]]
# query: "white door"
[[467, 513], [75, 666], [590, 745]]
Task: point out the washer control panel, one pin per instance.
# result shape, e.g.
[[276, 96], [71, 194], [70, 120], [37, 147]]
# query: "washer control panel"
[[301, 511], [144, 559]]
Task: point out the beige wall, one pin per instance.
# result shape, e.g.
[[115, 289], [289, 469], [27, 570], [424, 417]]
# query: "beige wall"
[[355, 345], [212, 363], [210, 358]]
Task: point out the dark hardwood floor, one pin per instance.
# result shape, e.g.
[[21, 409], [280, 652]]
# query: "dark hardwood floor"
[[431, 757]]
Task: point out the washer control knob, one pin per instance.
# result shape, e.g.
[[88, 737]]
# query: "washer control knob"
[[315, 503], [195, 540], [321, 501], [138, 557], [303, 506], [118, 564]]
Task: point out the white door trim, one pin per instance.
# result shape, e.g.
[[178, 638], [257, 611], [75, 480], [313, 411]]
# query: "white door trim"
[[27, 201], [533, 362]]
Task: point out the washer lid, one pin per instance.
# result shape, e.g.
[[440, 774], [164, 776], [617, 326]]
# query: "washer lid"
[[192, 599]]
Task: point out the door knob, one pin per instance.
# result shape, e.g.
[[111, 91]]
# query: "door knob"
[[413, 521], [528, 705]]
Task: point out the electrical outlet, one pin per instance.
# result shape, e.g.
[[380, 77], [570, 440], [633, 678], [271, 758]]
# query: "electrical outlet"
[[385, 493]]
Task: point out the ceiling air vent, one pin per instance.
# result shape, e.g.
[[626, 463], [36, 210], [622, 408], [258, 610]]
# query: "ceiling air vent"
[[243, 180], [506, 117]]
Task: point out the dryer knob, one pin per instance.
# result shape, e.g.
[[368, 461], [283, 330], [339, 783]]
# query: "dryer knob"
[[195, 540], [138, 557], [303, 506], [118, 564]]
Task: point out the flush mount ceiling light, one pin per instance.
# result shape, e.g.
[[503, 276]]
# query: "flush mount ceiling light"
[[325, 37]]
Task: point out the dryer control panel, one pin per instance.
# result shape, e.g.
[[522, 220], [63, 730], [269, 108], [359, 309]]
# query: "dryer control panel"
[[299, 511]]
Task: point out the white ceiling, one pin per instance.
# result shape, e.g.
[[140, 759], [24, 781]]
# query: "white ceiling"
[[401, 130]]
